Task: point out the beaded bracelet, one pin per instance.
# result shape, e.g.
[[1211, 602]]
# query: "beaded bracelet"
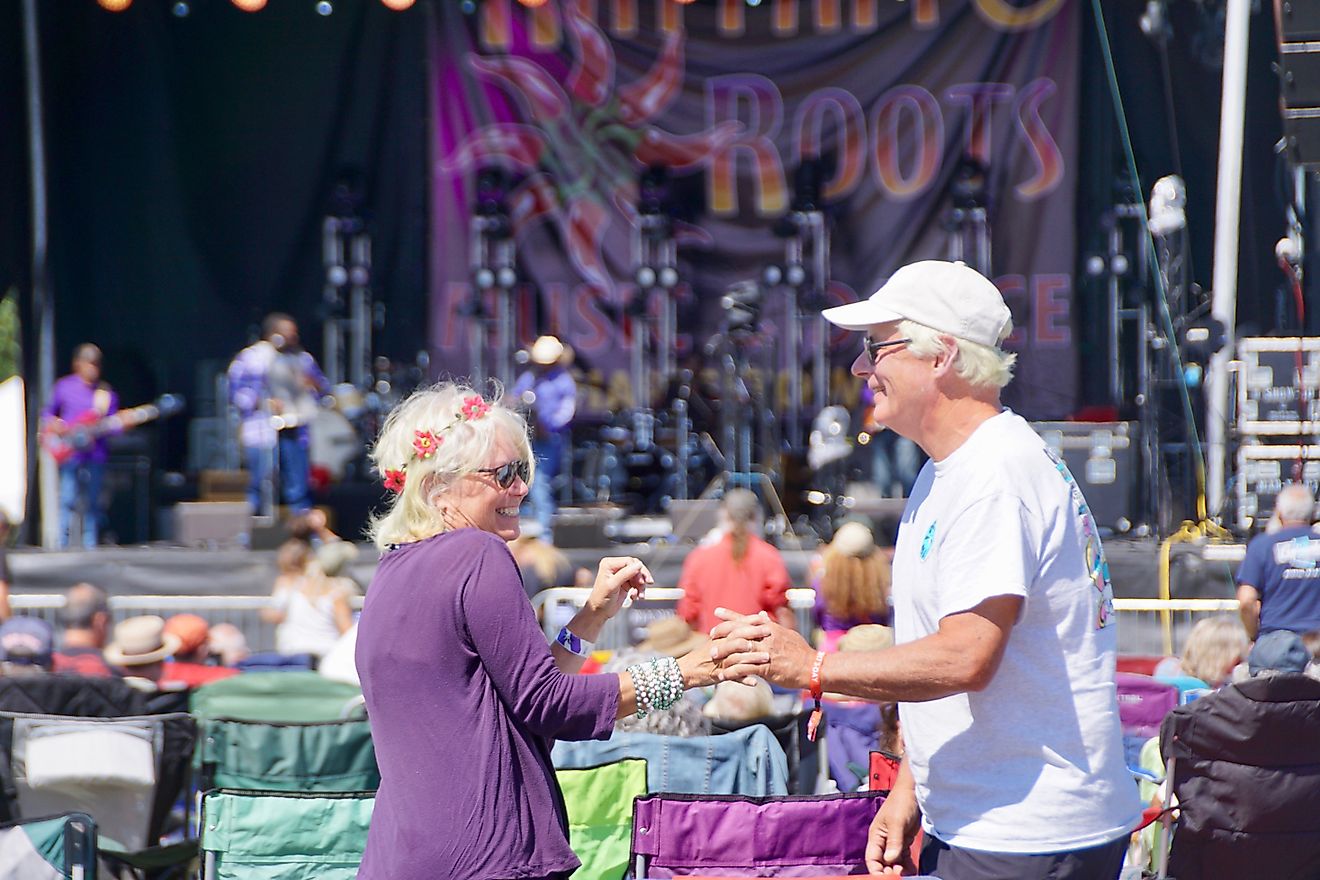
[[657, 684]]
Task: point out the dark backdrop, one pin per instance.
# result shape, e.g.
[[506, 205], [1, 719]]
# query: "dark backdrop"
[[190, 163]]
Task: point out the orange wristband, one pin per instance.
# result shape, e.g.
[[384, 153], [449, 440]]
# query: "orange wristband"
[[813, 723]]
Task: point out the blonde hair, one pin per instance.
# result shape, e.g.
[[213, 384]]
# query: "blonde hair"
[[742, 511], [981, 366], [1214, 646], [855, 587], [463, 445]]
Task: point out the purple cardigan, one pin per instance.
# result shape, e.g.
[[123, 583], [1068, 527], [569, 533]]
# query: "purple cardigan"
[[464, 700]]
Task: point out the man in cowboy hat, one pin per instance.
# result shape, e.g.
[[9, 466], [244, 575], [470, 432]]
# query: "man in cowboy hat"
[[549, 392], [140, 647]]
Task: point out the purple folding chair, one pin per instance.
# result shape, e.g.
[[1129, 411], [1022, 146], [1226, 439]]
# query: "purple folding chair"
[[1142, 704], [676, 835]]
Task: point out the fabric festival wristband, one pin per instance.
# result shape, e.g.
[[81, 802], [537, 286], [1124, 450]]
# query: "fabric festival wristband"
[[813, 723], [572, 644]]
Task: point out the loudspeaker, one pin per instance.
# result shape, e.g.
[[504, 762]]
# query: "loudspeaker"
[[1102, 458], [207, 523]]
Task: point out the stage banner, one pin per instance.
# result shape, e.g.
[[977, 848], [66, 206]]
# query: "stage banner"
[[900, 121]]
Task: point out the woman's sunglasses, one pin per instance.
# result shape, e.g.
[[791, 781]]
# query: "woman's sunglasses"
[[505, 474]]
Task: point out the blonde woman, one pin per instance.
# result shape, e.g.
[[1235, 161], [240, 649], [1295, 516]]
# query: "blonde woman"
[[854, 586], [1214, 647], [464, 693]]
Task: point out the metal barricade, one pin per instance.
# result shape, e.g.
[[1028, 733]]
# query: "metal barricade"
[[556, 606], [1141, 627], [243, 612]]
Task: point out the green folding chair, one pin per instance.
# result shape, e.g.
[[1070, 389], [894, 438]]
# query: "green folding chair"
[[276, 697], [273, 835], [313, 756], [600, 822], [49, 849]]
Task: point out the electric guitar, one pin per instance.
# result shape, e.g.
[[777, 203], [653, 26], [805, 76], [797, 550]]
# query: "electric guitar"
[[62, 440]]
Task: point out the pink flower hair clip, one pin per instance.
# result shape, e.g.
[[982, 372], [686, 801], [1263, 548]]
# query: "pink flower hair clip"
[[394, 480], [473, 408], [425, 444]]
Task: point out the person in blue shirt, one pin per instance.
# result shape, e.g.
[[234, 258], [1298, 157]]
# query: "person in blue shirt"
[[547, 389], [1279, 581]]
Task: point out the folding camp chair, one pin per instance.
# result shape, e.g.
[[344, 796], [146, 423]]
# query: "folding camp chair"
[[289, 835], [126, 773], [312, 756], [676, 835], [1243, 766], [1142, 704], [599, 802], [747, 761], [806, 774], [49, 849], [279, 697]]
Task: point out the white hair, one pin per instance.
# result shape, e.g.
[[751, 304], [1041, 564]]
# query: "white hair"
[[463, 445], [1295, 504], [981, 366]]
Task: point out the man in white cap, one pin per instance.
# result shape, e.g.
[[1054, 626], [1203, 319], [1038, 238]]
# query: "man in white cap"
[[1005, 643], [550, 394]]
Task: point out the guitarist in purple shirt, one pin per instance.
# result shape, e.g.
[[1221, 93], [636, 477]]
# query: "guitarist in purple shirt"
[[81, 401]]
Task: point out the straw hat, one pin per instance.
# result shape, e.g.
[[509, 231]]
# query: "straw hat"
[[735, 701], [139, 641], [546, 350], [867, 637], [672, 636], [853, 539]]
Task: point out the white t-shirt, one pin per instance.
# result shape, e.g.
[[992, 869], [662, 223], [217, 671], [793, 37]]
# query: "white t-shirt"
[[1033, 763]]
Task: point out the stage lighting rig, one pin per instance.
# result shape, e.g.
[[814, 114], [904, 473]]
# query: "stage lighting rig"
[[742, 303], [347, 307], [655, 268], [492, 261], [968, 221]]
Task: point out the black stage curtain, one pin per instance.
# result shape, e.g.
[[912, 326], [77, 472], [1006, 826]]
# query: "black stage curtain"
[[191, 160]]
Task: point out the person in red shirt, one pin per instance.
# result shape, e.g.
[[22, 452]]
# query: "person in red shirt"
[[740, 572]]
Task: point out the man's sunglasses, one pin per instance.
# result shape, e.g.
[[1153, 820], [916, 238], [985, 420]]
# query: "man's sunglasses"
[[873, 348], [505, 474]]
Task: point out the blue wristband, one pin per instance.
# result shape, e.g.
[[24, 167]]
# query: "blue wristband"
[[572, 644]]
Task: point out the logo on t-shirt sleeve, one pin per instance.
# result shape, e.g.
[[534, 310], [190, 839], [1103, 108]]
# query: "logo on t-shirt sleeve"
[[1093, 553], [928, 541]]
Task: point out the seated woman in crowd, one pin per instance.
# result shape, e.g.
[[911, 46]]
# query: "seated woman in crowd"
[[1215, 646], [309, 607], [464, 693], [853, 589]]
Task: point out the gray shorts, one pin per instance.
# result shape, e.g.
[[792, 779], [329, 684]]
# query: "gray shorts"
[[1102, 862]]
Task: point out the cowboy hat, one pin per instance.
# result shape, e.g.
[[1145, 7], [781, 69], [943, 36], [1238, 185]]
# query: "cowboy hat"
[[672, 636], [139, 641]]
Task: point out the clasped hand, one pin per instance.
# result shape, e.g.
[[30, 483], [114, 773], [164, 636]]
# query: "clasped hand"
[[753, 644], [617, 579]]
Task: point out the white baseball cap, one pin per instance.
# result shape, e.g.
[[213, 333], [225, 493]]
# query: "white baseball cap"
[[952, 298]]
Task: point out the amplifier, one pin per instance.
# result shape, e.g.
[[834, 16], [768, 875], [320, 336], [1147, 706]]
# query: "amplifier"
[[1262, 471], [1275, 397], [1103, 459], [212, 523]]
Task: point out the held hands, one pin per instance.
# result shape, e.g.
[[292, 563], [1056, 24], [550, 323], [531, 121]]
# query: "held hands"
[[618, 578], [746, 645]]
